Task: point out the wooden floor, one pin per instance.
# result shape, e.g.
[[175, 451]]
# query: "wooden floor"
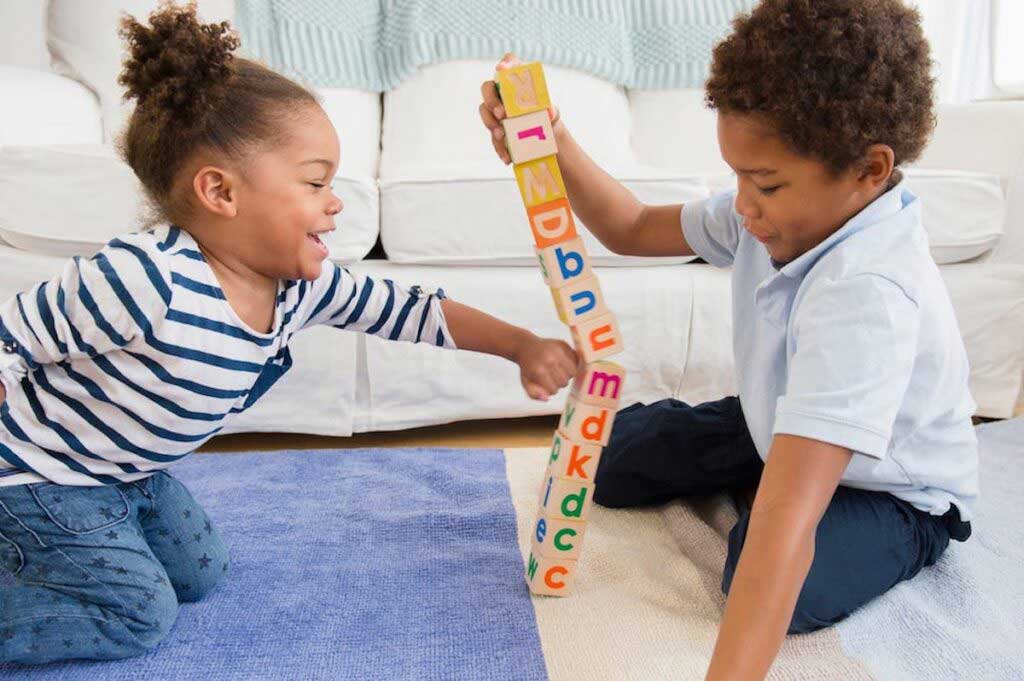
[[526, 432]]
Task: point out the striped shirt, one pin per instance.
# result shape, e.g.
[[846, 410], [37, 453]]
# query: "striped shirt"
[[131, 360]]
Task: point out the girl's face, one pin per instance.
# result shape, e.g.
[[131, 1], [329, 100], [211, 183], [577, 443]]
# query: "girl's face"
[[790, 203], [286, 203]]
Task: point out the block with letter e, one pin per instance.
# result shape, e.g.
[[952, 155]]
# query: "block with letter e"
[[557, 537]]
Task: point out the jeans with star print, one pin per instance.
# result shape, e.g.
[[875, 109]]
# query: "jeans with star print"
[[98, 572]]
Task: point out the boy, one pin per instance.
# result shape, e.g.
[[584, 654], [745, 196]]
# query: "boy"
[[854, 416]]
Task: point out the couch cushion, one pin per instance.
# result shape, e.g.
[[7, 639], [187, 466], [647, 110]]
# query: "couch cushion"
[[72, 200], [23, 34], [43, 108]]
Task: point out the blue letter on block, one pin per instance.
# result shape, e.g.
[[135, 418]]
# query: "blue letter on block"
[[585, 307], [564, 261]]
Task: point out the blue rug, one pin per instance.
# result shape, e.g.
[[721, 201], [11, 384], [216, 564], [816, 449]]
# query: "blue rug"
[[351, 564]]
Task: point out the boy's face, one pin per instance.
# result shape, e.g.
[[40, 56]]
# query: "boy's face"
[[790, 203]]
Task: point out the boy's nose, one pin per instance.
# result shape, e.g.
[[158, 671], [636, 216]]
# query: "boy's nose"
[[335, 207], [745, 207]]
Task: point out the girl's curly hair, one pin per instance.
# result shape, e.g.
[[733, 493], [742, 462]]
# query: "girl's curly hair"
[[831, 77], [192, 93]]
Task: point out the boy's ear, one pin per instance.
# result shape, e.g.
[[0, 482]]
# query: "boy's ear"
[[877, 166], [216, 190]]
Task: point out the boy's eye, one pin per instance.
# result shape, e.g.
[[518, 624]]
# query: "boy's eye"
[[316, 184], [768, 191]]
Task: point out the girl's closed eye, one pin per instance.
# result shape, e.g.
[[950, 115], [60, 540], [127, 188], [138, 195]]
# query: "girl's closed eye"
[[768, 191]]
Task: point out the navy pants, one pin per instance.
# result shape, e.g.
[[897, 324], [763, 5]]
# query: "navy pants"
[[98, 572], [866, 543]]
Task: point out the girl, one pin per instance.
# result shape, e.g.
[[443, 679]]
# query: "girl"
[[129, 361], [853, 419]]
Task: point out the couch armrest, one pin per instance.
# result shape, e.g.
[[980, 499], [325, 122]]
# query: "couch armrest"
[[42, 108]]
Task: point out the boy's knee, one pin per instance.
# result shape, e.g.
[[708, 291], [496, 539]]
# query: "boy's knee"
[[151, 613], [209, 571]]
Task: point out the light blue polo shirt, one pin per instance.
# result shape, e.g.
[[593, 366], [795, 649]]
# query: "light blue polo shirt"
[[853, 343]]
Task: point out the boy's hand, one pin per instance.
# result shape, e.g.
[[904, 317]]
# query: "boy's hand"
[[492, 112], [3, 393], [545, 366]]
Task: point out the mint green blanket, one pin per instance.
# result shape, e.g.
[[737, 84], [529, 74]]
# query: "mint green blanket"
[[374, 44]]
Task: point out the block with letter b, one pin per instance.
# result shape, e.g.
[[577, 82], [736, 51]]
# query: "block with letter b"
[[522, 89], [579, 301], [597, 338], [550, 576], [563, 263], [557, 538], [540, 181], [551, 223], [587, 423], [573, 460], [599, 383], [529, 137]]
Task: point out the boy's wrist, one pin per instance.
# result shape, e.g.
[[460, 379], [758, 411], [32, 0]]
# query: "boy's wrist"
[[520, 344]]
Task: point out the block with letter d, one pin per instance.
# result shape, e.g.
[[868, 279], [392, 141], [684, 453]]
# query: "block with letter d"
[[564, 263], [529, 137], [573, 460], [579, 301], [551, 223], [586, 423], [566, 499], [599, 383], [522, 89], [557, 538], [540, 181], [550, 576], [597, 338]]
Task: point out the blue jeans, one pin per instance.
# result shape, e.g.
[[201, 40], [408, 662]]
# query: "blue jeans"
[[98, 572], [866, 542]]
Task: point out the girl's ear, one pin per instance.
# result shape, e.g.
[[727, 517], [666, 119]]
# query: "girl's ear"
[[216, 190], [877, 166]]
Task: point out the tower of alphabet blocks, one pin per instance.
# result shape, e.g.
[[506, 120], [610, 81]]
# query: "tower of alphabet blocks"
[[567, 491]]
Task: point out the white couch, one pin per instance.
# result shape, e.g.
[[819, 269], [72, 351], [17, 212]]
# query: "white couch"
[[417, 171]]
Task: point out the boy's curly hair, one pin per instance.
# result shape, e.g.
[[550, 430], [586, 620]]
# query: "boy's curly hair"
[[192, 93], [832, 77]]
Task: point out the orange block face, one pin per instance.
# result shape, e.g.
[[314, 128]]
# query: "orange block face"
[[599, 383], [573, 460], [523, 89], [540, 181], [550, 576], [559, 539], [552, 223], [529, 137], [579, 301], [586, 423], [565, 499], [597, 338], [564, 263]]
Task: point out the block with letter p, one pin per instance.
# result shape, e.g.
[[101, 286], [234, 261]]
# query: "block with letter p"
[[587, 423], [557, 538], [529, 137], [599, 383], [579, 301], [564, 262], [522, 89], [597, 338], [573, 460], [550, 576]]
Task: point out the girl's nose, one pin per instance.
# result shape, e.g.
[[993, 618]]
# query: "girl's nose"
[[745, 207], [335, 206]]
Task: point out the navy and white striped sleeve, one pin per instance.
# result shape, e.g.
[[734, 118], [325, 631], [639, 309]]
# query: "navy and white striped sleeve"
[[379, 307], [92, 307]]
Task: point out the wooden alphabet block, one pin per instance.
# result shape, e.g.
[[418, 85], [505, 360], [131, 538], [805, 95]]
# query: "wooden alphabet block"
[[579, 301], [566, 499], [556, 538], [586, 423], [573, 460], [551, 223], [597, 338], [599, 383], [522, 89], [550, 576], [540, 181], [529, 137], [559, 308], [564, 263]]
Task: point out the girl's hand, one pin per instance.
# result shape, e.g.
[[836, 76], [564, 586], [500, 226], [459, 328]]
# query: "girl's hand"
[[545, 366], [492, 112], [3, 394]]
